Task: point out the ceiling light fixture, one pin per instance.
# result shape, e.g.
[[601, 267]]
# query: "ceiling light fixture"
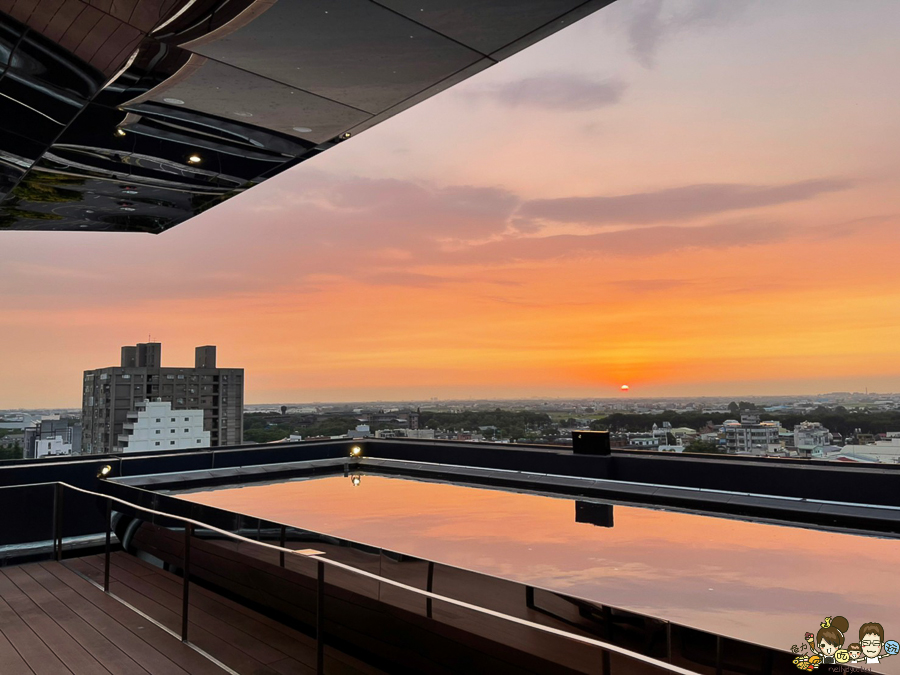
[[302, 130], [173, 101], [120, 132], [195, 159], [243, 114]]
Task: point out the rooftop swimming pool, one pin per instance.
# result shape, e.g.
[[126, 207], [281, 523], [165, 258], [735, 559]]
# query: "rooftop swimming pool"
[[757, 582]]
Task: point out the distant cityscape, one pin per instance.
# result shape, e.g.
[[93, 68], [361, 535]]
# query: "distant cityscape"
[[141, 406]]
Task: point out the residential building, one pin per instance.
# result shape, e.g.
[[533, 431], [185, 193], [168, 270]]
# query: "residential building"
[[751, 434], [110, 394], [408, 419], [644, 441], [361, 431], [154, 425], [405, 433], [809, 435], [52, 436]]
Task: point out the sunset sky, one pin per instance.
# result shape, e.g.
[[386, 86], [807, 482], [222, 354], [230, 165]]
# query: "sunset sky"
[[694, 197]]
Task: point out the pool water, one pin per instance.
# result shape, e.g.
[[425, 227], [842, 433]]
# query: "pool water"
[[762, 583]]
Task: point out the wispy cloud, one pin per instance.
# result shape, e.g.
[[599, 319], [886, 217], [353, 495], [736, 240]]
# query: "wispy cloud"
[[672, 204], [553, 92], [645, 241], [651, 22]]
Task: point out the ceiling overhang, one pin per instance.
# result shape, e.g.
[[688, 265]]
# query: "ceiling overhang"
[[135, 115]]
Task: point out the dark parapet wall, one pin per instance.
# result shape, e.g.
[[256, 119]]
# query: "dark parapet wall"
[[137, 115]]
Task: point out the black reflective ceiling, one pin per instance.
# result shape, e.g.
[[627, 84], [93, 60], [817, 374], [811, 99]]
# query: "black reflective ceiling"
[[134, 115]]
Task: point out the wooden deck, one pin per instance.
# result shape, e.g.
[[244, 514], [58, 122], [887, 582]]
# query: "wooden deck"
[[55, 622]]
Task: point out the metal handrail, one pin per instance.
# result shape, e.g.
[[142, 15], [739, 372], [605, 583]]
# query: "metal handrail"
[[605, 646]]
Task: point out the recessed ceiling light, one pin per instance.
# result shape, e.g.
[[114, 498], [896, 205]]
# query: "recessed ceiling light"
[[303, 130], [173, 101], [120, 132], [195, 159], [243, 114]]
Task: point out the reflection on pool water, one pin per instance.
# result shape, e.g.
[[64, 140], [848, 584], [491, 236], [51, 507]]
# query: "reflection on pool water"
[[757, 582]]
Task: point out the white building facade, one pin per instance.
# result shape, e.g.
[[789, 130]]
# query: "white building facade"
[[808, 435], [156, 427], [750, 435], [52, 447]]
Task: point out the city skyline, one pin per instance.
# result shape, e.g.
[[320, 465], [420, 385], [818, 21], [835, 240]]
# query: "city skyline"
[[689, 198]]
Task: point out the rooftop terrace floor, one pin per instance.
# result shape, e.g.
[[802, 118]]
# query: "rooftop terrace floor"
[[53, 620]]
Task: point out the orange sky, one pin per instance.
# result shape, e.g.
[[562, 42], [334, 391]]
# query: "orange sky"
[[692, 197]]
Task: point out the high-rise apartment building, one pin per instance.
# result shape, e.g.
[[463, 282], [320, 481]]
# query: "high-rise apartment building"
[[110, 394]]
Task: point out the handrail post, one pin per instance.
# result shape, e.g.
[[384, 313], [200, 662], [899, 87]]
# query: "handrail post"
[[283, 541], [57, 534], [669, 640], [186, 572], [718, 655], [108, 535], [607, 627], [430, 588], [320, 618]]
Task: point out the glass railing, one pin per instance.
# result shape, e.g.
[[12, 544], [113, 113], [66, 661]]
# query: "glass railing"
[[336, 599]]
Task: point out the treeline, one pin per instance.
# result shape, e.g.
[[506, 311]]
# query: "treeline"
[[472, 419], [634, 422], [11, 452], [265, 427], [516, 426], [837, 419]]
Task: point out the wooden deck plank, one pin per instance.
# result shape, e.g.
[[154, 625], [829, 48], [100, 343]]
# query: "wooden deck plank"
[[294, 667], [99, 647], [136, 644], [11, 659], [221, 621], [167, 610], [38, 656], [163, 577], [169, 646], [288, 640], [68, 651]]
